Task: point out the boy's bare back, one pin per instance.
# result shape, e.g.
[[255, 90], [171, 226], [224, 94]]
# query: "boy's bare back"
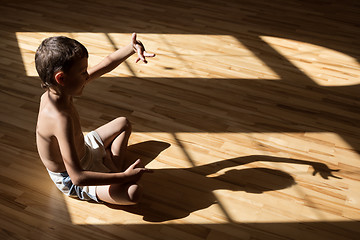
[[50, 112]]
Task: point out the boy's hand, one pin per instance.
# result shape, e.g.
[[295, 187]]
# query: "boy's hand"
[[140, 49], [133, 174]]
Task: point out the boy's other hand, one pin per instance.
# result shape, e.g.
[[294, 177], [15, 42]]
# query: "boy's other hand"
[[140, 49], [134, 173]]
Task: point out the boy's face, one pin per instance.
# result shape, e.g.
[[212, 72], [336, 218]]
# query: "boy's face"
[[76, 77]]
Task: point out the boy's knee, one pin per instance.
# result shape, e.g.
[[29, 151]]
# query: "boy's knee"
[[124, 123], [135, 192], [129, 194]]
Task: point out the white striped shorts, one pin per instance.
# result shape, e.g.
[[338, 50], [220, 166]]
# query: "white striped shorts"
[[92, 161]]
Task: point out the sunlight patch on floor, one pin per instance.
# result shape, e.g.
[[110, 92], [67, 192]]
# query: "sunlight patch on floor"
[[325, 66], [178, 55]]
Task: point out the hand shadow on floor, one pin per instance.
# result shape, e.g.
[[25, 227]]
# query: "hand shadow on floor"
[[146, 151], [174, 193]]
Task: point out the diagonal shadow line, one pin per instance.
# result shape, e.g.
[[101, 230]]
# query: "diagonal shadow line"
[[219, 203], [276, 61], [187, 155], [115, 49]]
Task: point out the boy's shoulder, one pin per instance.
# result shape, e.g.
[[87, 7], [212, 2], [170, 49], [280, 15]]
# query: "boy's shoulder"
[[50, 108], [51, 115]]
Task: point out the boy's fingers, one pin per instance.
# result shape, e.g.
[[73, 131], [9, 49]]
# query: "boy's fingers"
[[135, 163], [146, 54], [133, 38], [142, 59], [141, 54], [140, 49]]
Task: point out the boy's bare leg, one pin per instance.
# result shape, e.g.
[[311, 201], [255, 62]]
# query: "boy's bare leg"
[[115, 136], [121, 194]]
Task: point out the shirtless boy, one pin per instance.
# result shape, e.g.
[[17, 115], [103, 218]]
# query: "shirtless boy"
[[90, 167]]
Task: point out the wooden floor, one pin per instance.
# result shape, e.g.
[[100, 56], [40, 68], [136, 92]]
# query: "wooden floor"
[[244, 114]]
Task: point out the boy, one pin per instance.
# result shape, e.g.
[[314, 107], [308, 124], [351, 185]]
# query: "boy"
[[90, 167]]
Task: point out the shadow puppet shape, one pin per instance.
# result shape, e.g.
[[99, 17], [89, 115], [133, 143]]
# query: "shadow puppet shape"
[[146, 151], [175, 193]]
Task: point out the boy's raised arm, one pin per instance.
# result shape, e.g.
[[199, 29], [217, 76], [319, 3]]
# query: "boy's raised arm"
[[116, 58]]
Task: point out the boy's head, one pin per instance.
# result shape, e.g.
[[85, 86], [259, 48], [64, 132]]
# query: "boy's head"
[[57, 54]]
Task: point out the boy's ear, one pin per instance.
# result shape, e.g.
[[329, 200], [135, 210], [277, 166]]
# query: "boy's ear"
[[59, 78]]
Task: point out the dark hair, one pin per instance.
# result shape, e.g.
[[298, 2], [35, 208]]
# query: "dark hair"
[[57, 54]]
